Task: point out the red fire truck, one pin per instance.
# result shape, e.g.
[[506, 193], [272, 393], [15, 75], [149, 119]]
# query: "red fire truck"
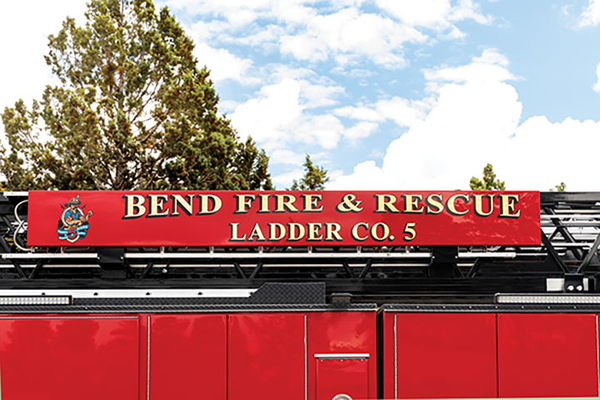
[[299, 295]]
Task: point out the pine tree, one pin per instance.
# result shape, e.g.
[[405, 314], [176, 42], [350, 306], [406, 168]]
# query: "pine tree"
[[132, 111], [488, 182], [314, 177], [561, 187]]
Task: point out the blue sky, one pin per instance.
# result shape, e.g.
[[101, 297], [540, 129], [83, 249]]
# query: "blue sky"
[[385, 94]]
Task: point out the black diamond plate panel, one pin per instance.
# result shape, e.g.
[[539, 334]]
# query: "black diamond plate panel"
[[289, 293]]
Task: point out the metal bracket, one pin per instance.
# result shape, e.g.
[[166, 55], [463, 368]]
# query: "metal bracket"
[[443, 262], [573, 283], [112, 262]]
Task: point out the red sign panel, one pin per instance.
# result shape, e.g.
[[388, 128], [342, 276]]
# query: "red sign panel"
[[283, 218]]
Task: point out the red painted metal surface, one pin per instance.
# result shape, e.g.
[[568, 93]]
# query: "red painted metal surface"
[[188, 356], [274, 355], [440, 355], [266, 356], [547, 355], [69, 358], [342, 333], [226, 218], [349, 377]]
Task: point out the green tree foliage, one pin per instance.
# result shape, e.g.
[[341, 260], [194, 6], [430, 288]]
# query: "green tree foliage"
[[561, 187], [488, 182], [133, 111], [314, 177]]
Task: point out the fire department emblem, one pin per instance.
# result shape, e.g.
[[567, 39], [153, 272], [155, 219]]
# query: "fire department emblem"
[[73, 224]]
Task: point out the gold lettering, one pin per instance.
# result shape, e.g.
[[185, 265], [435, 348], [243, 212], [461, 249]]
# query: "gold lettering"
[[264, 203], [313, 231], [385, 201], [434, 204], [256, 234], [180, 201], [354, 231], [332, 229], [478, 207], [234, 233], [205, 200], [134, 206], [157, 202], [410, 202], [311, 202], [385, 231], [283, 202], [243, 202], [294, 236], [276, 231], [507, 206], [451, 204]]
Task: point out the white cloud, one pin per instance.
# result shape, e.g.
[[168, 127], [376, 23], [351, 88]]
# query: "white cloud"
[[434, 14], [202, 31], [361, 113], [223, 65], [241, 13], [426, 13], [285, 180], [25, 42], [304, 47], [279, 113], [454, 33], [268, 117], [365, 176], [474, 122], [596, 86], [284, 156], [267, 37], [339, 30], [404, 112], [322, 129], [465, 9], [317, 95], [349, 34], [360, 130], [491, 66], [236, 12], [591, 15], [530, 166]]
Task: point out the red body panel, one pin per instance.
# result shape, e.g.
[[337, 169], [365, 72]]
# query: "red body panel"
[[246, 356], [441, 355], [154, 218], [335, 333], [342, 376], [69, 358], [313, 355], [266, 356], [547, 355], [188, 356]]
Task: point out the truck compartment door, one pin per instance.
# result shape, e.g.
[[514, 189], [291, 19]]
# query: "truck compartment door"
[[69, 357], [547, 355], [342, 376], [267, 356]]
